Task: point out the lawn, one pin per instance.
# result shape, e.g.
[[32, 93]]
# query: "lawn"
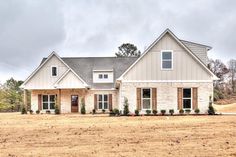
[[76, 135]]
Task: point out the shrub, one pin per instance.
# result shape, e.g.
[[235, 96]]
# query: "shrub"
[[83, 110], [116, 111], [187, 111], [48, 112], [154, 112], [103, 110], [181, 111], [57, 110], [163, 112], [31, 111], [196, 110], [148, 112], [23, 110], [94, 111], [126, 107], [211, 110], [171, 111], [136, 112], [37, 112], [111, 113]]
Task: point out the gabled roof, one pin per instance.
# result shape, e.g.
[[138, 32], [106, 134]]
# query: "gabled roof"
[[84, 67], [42, 64], [179, 42]]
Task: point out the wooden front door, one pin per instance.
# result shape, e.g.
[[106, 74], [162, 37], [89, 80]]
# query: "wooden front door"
[[74, 103]]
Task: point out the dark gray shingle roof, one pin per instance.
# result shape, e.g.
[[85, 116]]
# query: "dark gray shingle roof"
[[84, 67]]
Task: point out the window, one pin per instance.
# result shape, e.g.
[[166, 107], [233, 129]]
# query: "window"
[[146, 98], [49, 102], [105, 76], [100, 76], [167, 60], [54, 71], [187, 98], [102, 101]]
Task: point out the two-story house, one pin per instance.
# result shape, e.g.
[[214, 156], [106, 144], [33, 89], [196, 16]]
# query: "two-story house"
[[170, 74]]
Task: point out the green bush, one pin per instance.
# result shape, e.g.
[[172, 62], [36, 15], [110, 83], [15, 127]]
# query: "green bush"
[[171, 111], [181, 111], [48, 112], [211, 110], [197, 111], [148, 112], [154, 112], [116, 111], [37, 112], [83, 110], [103, 110], [163, 112], [57, 110], [126, 107], [136, 112], [23, 110], [94, 111], [31, 111]]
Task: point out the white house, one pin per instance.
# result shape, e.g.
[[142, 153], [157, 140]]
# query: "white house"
[[170, 74]]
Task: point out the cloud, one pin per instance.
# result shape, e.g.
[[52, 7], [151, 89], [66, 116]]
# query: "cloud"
[[30, 29]]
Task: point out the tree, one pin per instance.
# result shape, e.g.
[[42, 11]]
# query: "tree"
[[128, 50], [232, 74], [219, 69]]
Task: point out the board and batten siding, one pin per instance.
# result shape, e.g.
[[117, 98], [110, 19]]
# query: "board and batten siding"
[[43, 79], [185, 67]]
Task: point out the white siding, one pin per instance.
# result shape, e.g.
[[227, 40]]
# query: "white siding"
[[43, 79], [185, 67], [70, 81]]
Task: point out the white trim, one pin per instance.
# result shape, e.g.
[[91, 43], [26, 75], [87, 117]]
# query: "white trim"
[[48, 102], [167, 69], [146, 98], [187, 98], [56, 70], [58, 81], [167, 81], [111, 89], [214, 77], [102, 101], [103, 70]]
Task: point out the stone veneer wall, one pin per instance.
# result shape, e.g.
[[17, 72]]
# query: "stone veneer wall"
[[166, 94]]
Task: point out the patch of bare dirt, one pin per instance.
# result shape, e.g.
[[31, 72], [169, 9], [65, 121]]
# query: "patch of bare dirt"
[[75, 135]]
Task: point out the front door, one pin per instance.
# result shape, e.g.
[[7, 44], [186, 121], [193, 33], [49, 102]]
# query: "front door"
[[74, 103]]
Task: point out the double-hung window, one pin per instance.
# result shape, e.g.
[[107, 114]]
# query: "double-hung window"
[[187, 98], [166, 60], [102, 101], [146, 98], [49, 102]]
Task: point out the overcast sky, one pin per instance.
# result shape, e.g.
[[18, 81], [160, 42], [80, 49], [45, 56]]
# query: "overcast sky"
[[32, 29]]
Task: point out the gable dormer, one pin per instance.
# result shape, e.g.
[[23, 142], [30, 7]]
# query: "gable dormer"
[[103, 76]]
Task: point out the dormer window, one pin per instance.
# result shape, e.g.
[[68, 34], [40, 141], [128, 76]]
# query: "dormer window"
[[100, 76], [103, 76], [54, 71]]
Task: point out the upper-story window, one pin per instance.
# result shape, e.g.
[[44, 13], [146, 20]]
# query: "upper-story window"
[[103, 76], [54, 71], [167, 60]]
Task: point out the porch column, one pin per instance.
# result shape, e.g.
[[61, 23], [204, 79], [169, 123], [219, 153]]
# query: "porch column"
[[25, 99], [59, 99]]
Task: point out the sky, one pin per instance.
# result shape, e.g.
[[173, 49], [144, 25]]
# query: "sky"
[[32, 29]]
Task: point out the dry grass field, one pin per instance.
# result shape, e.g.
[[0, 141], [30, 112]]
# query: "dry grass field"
[[229, 108], [76, 135]]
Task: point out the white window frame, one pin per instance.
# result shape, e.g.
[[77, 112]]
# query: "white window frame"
[[56, 70], [187, 99], [102, 101], [171, 51], [146, 99], [48, 102]]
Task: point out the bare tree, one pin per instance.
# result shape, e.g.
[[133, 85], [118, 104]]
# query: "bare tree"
[[232, 73]]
